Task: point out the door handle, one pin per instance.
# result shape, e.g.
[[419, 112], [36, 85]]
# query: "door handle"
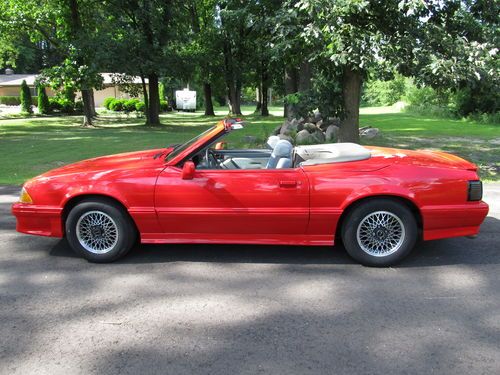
[[288, 184]]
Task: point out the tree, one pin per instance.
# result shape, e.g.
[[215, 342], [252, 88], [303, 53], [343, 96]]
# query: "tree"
[[262, 18], [294, 53], [25, 97], [69, 27], [204, 48], [43, 100], [420, 38], [143, 39]]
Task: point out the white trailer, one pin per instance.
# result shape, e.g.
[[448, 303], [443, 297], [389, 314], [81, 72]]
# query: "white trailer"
[[185, 100]]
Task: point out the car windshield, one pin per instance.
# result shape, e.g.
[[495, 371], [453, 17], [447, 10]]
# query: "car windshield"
[[181, 148]]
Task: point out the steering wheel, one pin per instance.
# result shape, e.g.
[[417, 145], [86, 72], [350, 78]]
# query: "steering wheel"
[[211, 159]]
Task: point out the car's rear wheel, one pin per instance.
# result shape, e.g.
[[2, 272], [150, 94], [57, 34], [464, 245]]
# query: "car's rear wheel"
[[379, 232], [100, 231]]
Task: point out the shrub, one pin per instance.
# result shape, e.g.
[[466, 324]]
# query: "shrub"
[[164, 106], [161, 91], [129, 105], [26, 101], [63, 105], [78, 107], [107, 102], [10, 100], [379, 92], [54, 105], [67, 106], [43, 101], [117, 105], [140, 107]]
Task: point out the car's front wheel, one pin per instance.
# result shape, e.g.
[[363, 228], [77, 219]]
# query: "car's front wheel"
[[379, 232], [100, 231]]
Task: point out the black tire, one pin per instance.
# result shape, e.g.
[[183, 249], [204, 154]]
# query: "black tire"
[[125, 230], [389, 209]]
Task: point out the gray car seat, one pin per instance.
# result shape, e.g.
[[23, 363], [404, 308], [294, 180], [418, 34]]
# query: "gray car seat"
[[282, 150]]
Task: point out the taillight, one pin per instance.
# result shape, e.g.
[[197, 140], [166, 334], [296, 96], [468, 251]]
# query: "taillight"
[[475, 192]]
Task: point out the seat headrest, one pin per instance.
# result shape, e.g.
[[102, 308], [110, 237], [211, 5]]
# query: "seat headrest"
[[283, 148], [272, 140]]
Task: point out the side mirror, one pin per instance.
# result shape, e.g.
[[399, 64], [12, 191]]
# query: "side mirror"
[[188, 170]]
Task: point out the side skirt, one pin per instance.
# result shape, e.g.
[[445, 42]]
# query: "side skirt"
[[265, 239]]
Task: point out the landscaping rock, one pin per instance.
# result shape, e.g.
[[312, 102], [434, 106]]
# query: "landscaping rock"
[[369, 133], [304, 137], [318, 136], [286, 138], [310, 127], [285, 128], [289, 127], [300, 126], [333, 121], [332, 133], [277, 130], [316, 116]]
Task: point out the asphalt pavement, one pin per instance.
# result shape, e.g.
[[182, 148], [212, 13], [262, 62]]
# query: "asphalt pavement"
[[199, 309]]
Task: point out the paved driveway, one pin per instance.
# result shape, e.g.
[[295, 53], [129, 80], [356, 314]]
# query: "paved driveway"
[[249, 309]]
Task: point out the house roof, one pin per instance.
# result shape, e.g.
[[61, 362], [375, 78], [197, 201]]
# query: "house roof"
[[17, 79]]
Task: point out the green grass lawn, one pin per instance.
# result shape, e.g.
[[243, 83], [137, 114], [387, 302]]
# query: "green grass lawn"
[[31, 146]]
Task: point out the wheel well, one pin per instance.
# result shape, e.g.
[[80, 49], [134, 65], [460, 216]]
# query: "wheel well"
[[73, 202], [406, 202]]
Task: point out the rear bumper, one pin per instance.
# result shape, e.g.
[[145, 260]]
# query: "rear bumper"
[[453, 220], [38, 220]]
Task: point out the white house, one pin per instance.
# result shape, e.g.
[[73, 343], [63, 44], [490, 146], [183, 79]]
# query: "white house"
[[10, 85]]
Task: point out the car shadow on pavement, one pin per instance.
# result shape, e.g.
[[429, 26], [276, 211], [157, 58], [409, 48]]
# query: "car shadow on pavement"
[[461, 250]]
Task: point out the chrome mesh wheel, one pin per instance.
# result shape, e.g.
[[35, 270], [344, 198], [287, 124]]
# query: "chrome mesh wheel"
[[97, 232], [380, 233]]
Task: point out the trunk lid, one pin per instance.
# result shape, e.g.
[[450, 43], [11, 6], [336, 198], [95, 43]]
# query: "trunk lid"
[[427, 158]]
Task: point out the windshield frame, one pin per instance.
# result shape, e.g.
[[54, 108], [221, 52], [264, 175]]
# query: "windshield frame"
[[183, 147]]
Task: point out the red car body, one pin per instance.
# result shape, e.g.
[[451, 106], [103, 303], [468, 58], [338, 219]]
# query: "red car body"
[[298, 206]]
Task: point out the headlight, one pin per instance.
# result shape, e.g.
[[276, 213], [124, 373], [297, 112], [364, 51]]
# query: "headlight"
[[25, 197]]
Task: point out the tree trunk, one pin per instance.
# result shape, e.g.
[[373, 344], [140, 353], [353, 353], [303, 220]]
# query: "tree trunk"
[[146, 100], [92, 103], [304, 78], [207, 94], [234, 96], [264, 89], [291, 87], [259, 100], [237, 99], [87, 108], [232, 83], [153, 113], [351, 94]]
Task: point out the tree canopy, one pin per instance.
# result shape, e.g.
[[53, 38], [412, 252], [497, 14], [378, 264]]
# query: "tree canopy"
[[314, 53]]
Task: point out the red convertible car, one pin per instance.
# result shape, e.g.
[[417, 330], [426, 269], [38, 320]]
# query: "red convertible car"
[[378, 201]]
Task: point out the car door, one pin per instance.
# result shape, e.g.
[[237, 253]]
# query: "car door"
[[232, 202]]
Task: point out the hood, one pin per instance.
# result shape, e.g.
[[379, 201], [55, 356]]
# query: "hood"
[[129, 160], [426, 158]]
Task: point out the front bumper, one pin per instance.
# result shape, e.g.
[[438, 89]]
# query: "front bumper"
[[38, 220], [453, 220]]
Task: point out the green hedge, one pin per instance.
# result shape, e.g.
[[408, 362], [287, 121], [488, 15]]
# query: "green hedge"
[[63, 105], [15, 100], [10, 100], [107, 102], [131, 105]]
